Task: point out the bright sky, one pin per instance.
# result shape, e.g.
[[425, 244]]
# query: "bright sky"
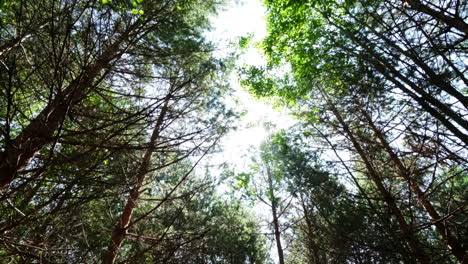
[[238, 20]]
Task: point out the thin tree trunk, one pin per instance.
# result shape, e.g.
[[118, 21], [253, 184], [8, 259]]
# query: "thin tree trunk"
[[312, 247], [384, 67], [120, 230], [456, 248], [274, 205], [386, 195], [279, 247], [411, 54], [424, 99], [40, 131], [348, 170]]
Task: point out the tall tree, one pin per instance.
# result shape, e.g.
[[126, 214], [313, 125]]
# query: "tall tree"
[[125, 96], [265, 183], [405, 65], [90, 43]]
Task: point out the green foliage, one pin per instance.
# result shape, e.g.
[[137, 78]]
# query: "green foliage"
[[74, 189], [243, 180], [212, 230], [234, 236], [335, 62], [245, 42], [331, 62]]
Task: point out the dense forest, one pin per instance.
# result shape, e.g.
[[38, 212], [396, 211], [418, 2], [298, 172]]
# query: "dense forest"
[[111, 109]]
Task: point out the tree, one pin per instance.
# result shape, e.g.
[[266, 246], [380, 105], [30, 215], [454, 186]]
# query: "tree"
[[186, 99], [265, 183], [94, 44], [369, 75], [331, 223], [399, 45], [126, 97]]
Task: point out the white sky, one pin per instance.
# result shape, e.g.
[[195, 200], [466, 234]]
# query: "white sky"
[[238, 20]]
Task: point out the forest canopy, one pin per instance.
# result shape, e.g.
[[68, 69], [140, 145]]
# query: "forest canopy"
[[111, 109]]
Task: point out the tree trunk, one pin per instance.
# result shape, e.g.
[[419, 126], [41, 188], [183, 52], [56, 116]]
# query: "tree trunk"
[[276, 227], [422, 101], [432, 105], [386, 195], [40, 131], [311, 246], [394, 75], [456, 248], [120, 230], [433, 77]]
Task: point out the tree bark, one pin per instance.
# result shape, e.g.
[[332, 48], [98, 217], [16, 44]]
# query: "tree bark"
[[394, 75], [311, 246], [276, 227], [386, 195], [433, 77], [422, 101], [120, 230], [40, 131], [456, 248], [432, 105]]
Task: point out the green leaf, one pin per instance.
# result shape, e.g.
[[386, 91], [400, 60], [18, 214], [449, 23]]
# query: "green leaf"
[[244, 42]]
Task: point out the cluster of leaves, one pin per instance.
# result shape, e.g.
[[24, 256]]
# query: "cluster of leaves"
[[133, 6]]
